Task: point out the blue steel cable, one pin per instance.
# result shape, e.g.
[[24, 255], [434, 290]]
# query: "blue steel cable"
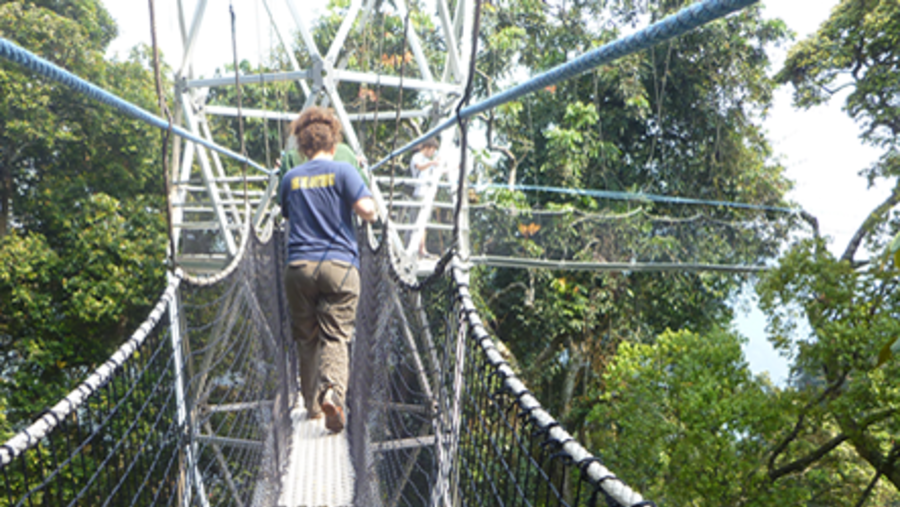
[[13, 52], [637, 196], [672, 26]]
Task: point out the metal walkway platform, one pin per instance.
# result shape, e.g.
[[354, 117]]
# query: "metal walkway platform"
[[319, 472]]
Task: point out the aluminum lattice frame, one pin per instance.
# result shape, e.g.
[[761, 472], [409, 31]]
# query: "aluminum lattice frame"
[[219, 198]]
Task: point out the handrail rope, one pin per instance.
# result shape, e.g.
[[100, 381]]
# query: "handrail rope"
[[205, 281], [670, 27], [13, 52], [30, 436], [501, 261], [638, 196], [597, 474], [164, 109]]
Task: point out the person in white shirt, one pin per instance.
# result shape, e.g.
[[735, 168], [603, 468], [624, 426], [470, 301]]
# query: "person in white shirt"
[[422, 167]]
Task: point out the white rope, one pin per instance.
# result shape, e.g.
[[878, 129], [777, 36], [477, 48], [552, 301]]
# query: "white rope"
[[597, 474], [30, 436], [206, 281]]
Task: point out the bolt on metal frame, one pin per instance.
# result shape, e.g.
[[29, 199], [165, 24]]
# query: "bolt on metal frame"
[[221, 198]]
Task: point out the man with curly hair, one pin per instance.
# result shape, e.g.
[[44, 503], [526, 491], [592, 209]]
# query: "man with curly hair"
[[318, 199]]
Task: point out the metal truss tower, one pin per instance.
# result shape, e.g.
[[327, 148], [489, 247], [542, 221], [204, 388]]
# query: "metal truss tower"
[[209, 201]]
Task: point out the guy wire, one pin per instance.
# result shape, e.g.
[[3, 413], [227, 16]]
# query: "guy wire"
[[164, 109], [399, 108], [463, 125], [237, 83]]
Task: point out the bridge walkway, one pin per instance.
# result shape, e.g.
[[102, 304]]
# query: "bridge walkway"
[[319, 472]]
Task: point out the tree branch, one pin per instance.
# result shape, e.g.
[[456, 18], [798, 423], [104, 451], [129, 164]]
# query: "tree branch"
[[832, 91], [490, 135], [868, 446], [782, 446], [542, 356], [870, 222], [812, 221], [869, 489], [805, 461], [506, 289], [489, 121]]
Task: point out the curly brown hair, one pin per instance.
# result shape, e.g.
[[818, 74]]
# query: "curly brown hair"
[[316, 129]]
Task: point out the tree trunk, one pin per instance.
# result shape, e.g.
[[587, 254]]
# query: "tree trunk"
[[869, 449], [874, 218], [5, 197], [571, 376]]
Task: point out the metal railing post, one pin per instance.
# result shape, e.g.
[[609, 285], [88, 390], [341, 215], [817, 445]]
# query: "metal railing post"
[[187, 430]]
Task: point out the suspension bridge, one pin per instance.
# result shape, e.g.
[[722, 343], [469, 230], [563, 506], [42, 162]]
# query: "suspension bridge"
[[199, 406]]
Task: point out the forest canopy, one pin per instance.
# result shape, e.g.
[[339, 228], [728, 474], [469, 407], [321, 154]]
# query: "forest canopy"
[[645, 368]]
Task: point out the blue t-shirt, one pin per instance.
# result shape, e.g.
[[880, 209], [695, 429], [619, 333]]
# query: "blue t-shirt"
[[317, 199]]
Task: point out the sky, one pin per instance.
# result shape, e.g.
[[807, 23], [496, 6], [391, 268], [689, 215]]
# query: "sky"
[[823, 155], [820, 147]]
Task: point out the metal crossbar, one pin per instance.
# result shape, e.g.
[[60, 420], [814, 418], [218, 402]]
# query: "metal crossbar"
[[13, 52], [672, 26], [199, 412], [192, 410]]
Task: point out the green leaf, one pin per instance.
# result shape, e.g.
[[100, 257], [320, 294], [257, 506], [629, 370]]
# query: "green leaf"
[[894, 250], [887, 352]]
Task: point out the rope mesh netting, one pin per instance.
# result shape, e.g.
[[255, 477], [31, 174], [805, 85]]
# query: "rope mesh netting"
[[616, 236], [238, 369], [438, 418], [434, 416], [113, 441], [199, 413], [124, 437]]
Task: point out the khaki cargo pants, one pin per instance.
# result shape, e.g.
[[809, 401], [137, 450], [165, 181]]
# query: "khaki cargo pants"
[[322, 297]]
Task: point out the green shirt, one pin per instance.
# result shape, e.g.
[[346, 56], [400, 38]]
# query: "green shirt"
[[293, 158]]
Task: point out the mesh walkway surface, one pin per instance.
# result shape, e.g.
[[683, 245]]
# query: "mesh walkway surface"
[[194, 409], [319, 472]]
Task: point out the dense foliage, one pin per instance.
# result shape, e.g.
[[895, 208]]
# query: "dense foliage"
[[678, 413], [682, 120], [642, 367], [683, 418], [81, 229]]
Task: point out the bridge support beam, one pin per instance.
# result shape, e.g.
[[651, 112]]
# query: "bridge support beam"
[[186, 426]]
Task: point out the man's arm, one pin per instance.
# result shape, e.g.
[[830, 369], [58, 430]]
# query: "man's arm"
[[366, 210], [421, 166]]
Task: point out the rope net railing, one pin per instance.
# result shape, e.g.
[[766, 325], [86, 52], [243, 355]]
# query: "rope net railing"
[[437, 417], [194, 409], [633, 234], [187, 414], [432, 414], [510, 447], [113, 441], [620, 236], [238, 369], [396, 395], [636, 239]]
